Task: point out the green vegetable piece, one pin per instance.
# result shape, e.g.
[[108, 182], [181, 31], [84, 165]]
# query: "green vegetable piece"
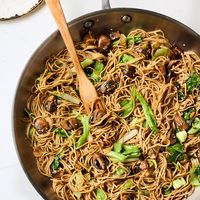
[[56, 162], [116, 42], [132, 155], [31, 132], [178, 183], [195, 181], [193, 82], [132, 148], [181, 136], [128, 184], [145, 124], [197, 170], [136, 39], [130, 40], [195, 126], [189, 114], [152, 163], [98, 68], [118, 157], [83, 139], [79, 178], [176, 152], [77, 195], [166, 190], [160, 52], [128, 105], [62, 133], [100, 194], [130, 159], [195, 173], [117, 147], [67, 97], [132, 151], [120, 171], [126, 58], [124, 102], [87, 62], [149, 115], [181, 96]]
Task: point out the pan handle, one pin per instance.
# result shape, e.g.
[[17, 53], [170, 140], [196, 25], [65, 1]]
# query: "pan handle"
[[106, 4]]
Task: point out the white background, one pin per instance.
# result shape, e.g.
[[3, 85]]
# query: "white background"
[[18, 40]]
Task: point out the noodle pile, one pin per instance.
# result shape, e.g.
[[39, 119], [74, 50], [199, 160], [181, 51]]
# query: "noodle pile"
[[138, 71]]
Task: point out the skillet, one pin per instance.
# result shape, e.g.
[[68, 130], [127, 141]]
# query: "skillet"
[[99, 22]]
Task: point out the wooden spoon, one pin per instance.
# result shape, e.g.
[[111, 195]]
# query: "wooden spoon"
[[87, 90]]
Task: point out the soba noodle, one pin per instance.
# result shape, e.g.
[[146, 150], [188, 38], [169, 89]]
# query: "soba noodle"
[[146, 143]]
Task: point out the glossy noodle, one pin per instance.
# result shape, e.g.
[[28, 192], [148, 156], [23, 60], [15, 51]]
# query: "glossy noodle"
[[144, 144]]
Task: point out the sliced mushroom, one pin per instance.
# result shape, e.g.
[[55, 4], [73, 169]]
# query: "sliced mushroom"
[[149, 172], [108, 87], [147, 52], [41, 125], [96, 116], [51, 104], [70, 124], [128, 197], [162, 69], [172, 138], [104, 43], [140, 166], [117, 78], [57, 173], [89, 39], [176, 53], [181, 123], [99, 161], [98, 112], [153, 152], [144, 165], [178, 86], [136, 169], [129, 71], [115, 35], [169, 75], [74, 123], [171, 133]]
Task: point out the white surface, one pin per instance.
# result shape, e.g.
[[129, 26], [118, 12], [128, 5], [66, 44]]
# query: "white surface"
[[18, 40]]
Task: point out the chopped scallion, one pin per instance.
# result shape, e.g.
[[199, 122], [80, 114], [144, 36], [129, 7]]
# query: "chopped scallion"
[[181, 136], [178, 183]]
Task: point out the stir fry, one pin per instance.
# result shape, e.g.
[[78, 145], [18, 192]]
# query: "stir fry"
[[146, 145]]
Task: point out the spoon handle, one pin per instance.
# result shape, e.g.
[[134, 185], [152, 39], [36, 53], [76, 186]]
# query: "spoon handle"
[[105, 4], [57, 12], [87, 90]]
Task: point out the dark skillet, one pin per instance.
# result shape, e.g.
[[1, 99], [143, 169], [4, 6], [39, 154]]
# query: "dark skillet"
[[122, 19]]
